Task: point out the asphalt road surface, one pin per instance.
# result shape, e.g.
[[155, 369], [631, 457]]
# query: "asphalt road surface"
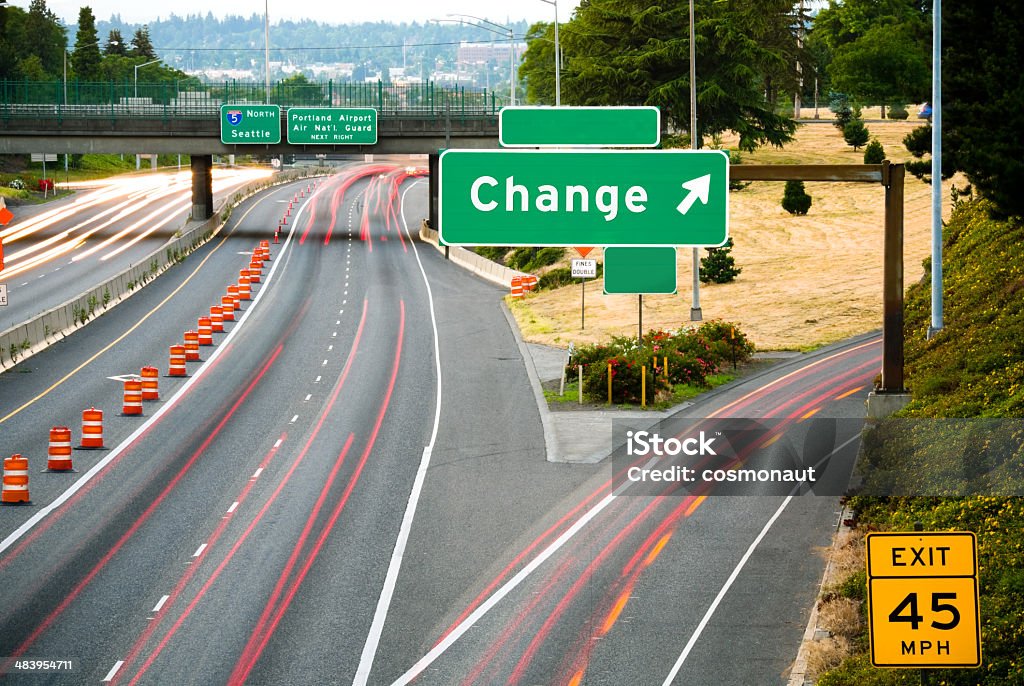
[[351, 487]]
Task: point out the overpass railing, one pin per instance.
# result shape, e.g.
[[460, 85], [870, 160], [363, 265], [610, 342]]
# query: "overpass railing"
[[57, 100]]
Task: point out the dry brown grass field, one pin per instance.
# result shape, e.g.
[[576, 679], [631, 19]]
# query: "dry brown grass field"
[[806, 281]]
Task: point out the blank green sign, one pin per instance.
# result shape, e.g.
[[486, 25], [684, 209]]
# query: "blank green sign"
[[636, 271], [583, 127]]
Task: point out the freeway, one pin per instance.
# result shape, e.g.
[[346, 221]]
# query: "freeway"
[[57, 251], [351, 488]]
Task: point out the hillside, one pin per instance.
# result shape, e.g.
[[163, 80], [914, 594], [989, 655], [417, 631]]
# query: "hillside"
[[806, 281]]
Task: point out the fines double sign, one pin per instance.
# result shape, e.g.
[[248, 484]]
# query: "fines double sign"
[[923, 599]]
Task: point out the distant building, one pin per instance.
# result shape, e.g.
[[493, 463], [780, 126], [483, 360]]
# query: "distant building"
[[481, 53]]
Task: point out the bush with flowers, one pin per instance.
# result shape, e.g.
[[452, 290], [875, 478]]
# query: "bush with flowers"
[[684, 356]]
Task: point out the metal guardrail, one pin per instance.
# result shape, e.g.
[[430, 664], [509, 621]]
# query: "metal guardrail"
[[191, 99]]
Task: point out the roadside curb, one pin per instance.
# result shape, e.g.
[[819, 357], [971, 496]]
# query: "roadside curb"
[[550, 439]]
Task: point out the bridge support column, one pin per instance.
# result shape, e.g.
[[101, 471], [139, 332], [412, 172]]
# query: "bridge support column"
[[434, 179], [202, 186]]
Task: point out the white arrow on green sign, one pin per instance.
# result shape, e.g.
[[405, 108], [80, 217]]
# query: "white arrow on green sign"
[[584, 197]]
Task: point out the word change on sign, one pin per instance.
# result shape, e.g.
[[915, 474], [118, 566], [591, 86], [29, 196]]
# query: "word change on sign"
[[640, 271], [584, 269], [923, 599], [332, 125], [246, 124], [584, 197], [581, 127]]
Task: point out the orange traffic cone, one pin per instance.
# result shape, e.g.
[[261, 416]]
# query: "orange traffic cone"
[[205, 331], [217, 318], [191, 346], [58, 454], [227, 307], [244, 287], [132, 398], [150, 383], [92, 429], [15, 486], [177, 365]]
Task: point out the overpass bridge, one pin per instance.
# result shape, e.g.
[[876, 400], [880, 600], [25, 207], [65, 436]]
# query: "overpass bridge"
[[184, 118]]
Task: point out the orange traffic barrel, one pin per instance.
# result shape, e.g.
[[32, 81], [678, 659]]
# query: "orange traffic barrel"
[[92, 428], [255, 271], [150, 383], [265, 249], [227, 307], [233, 294], [132, 397], [191, 346], [15, 487], [177, 365], [529, 283], [217, 318], [244, 287], [517, 287], [205, 331], [58, 454]]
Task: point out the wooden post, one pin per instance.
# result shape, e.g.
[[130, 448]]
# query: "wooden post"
[[892, 288], [640, 325], [609, 383]]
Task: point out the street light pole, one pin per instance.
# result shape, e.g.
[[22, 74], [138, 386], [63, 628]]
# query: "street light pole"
[[266, 48], [137, 68], [695, 311], [558, 57]]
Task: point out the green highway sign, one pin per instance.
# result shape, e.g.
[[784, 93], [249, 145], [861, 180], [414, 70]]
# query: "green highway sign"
[[248, 124], [640, 271], [581, 127], [332, 125], [584, 197]]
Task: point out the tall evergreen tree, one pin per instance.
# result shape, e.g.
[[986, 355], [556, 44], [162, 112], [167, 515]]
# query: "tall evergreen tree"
[[630, 52], [86, 58], [44, 36], [141, 44], [115, 44], [982, 92]]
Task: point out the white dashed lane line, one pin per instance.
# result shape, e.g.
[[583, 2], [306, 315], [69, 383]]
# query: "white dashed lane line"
[[199, 550], [160, 603], [113, 671]]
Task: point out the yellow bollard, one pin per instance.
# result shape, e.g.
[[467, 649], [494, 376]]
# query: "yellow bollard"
[[666, 367], [643, 386]]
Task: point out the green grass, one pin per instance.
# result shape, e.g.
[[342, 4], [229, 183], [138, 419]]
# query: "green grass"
[[973, 368]]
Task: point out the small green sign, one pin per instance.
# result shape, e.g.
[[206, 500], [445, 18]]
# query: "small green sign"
[[247, 124], [636, 271], [584, 197], [579, 127], [332, 125]]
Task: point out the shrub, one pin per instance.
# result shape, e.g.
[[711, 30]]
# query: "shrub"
[[898, 111], [795, 199], [840, 106], [874, 153], [520, 258], [692, 356], [855, 133], [546, 256], [719, 266]]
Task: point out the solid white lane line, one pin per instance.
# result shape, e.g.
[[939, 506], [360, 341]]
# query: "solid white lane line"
[[165, 407], [160, 603], [257, 473], [395, 565], [113, 670], [234, 506], [199, 550]]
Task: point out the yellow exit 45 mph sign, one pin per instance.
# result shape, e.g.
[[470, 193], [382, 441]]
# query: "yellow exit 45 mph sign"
[[923, 599]]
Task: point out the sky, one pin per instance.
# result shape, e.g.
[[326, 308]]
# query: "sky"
[[338, 12]]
